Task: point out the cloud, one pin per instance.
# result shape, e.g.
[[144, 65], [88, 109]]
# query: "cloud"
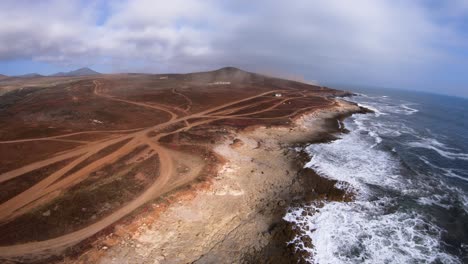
[[34, 30], [362, 39], [377, 38]]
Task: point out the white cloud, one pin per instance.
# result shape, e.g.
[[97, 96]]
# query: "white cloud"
[[340, 39]]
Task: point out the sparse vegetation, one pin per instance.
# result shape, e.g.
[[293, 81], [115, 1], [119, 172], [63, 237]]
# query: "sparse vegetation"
[[125, 134]]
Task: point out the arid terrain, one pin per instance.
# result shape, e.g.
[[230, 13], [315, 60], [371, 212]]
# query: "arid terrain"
[[80, 157]]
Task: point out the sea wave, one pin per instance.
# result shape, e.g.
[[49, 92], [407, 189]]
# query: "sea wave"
[[375, 228], [376, 111], [365, 232], [438, 147], [455, 173], [449, 172], [435, 199], [353, 159], [383, 106], [408, 110]]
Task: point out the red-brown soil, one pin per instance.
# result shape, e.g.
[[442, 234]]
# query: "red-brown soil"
[[79, 154]]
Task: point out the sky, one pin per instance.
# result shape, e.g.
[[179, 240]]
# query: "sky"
[[418, 44]]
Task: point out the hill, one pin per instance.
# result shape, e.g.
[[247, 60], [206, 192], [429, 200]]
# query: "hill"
[[229, 74], [88, 152], [30, 75], [80, 72]]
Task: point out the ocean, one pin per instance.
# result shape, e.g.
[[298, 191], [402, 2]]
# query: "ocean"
[[407, 163]]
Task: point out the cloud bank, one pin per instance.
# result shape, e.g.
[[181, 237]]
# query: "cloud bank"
[[366, 41]]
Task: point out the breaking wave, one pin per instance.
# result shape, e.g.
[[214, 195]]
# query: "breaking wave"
[[388, 222], [441, 149], [365, 232]]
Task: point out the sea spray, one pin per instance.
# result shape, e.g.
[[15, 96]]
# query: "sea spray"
[[411, 191]]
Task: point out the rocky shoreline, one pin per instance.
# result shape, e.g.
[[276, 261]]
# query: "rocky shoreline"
[[238, 216], [313, 188]]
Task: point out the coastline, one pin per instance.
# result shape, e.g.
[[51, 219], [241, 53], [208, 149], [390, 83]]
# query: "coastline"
[[238, 214]]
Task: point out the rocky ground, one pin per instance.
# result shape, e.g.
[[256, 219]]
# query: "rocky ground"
[[237, 217]]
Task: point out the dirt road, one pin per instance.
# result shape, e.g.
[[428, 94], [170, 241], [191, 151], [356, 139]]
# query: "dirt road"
[[38, 193]]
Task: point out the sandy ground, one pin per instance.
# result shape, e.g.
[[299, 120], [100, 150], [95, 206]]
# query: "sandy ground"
[[236, 216]]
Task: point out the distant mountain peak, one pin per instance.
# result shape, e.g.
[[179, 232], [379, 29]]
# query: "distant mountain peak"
[[86, 69], [30, 75], [229, 69], [79, 72]]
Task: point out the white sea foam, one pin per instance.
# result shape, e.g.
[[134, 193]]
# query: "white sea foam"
[[392, 129], [444, 200], [449, 172], [370, 230], [435, 199], [408, 110], [363, 232], [454, 173], [339, 124], [382, 106], [434, 142], [352, 159], [345, 187], [376, 111], [377, 138], [439, 148]]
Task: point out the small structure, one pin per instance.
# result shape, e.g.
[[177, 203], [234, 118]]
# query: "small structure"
[[163, 78], [278, 95], [220, 83], [96, 121]]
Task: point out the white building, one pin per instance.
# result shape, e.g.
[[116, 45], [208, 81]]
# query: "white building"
[[220, 83]]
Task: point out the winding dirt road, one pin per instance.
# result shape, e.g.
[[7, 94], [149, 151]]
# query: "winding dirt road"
[[39, 192]]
